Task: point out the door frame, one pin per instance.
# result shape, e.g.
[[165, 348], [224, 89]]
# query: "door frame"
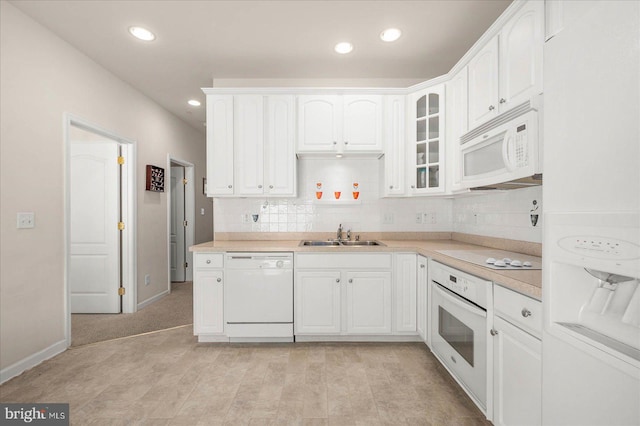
[[129, 252], [189, 216]]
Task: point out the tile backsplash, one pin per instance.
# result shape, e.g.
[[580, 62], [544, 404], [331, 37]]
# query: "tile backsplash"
[[496, 214]]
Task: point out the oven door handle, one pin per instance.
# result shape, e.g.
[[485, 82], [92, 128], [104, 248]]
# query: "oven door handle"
[[460, 302]]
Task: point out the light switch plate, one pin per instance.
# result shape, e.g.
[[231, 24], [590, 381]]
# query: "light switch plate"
[[26, 220]]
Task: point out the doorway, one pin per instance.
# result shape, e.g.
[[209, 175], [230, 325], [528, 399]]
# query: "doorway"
[[99, 221], [181, 219]]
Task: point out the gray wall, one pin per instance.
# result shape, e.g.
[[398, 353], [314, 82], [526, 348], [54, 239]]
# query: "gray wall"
[[41, 78]]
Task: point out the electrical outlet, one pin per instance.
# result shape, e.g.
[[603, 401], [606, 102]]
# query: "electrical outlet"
[[429, 218], [147, 279], [26, 220], [434, 219], [418, 217], [387, 218]]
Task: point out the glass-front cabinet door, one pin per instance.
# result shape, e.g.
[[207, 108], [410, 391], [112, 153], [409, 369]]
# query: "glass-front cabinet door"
[[426, 153]]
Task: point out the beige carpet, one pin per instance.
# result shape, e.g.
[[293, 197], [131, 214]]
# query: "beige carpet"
[[173, 310]]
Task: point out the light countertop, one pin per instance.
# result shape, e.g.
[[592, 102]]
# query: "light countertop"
[[527, 282]]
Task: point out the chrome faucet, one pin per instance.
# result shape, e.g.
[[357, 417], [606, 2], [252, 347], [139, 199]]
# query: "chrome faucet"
[[339, 233], [349, 235]]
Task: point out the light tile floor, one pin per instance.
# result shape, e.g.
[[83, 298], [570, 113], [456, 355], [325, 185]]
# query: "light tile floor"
[[167, 378]]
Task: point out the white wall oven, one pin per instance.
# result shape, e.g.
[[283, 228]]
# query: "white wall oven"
[[459, 329]]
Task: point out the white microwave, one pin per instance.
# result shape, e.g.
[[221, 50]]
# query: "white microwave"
[[502, 150]]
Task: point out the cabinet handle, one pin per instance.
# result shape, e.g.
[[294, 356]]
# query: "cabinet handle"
[[502, 100], [270, 186], [219, 280], [350, 280], [337, 280], [493, 332], [208, 261], [525, 312], [259, 186], [491, 107]]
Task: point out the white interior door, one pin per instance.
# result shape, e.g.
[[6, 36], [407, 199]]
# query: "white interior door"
[[94, 258], [178, 248]]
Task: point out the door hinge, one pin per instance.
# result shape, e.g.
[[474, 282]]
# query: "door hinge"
[[184, 181], [120, 291], [120, 160], [120, 226], [184, 223], [186, 264]]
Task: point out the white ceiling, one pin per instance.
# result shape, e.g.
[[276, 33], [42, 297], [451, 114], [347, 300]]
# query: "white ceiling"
[[199, 41]]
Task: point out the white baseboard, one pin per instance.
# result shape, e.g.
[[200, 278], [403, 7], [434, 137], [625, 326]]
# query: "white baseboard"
[[358, 338], [32, 360], [152, 299]]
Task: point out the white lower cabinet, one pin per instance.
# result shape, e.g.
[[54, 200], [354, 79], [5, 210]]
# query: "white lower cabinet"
[[208, 297], [343, 294], [317, 302], [405, 292], [517, 359], [422, 295]]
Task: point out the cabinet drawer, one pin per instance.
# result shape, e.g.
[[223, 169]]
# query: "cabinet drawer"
[[209, 260], [518, 309], [343, 260]]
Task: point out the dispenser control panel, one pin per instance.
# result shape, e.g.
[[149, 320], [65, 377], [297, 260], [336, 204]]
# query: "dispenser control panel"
[[600, 247]]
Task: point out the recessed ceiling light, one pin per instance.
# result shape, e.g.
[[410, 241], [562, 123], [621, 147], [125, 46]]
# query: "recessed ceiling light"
[[142, 33], [391, 34], [343, 47], [193, 102]]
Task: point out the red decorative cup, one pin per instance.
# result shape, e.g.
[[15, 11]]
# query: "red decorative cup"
[[337, 195]]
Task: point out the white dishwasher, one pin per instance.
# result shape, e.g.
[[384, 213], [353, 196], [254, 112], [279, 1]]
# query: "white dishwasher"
[[258, 297]]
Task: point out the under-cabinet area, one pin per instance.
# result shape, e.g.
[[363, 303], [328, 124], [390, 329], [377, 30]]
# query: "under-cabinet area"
[[485, 334]]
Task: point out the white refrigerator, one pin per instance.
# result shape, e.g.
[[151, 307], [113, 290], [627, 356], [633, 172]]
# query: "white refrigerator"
[[591, 197]]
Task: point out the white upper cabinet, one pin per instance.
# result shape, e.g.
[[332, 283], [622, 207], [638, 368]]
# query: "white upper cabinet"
[[339, 124], [219, 145], [521, 51], [456, 126], [508, 69], [362, 123], [393, 180], [279, 153], [250, 145], [483, 84], [426, 120]]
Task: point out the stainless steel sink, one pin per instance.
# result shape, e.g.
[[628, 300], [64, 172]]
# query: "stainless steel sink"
[[335, 243], [362, 243], [320, 243]]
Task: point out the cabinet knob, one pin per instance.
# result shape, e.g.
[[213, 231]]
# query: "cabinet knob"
[[525, 312], [337, 280], [350, 280], [502, 100], [422, 266], [390, 186], [491, 107], [230, 186], [208, 261], [335, 142], [346, 142], [413, 187], [219, 280], [270, 186], [493, 331], [259, 186]]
